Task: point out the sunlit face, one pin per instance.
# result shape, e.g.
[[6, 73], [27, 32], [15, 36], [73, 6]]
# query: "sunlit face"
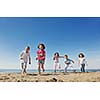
[[41, 47], [27, 50], [66, 57], [56, 55], [81, 56]]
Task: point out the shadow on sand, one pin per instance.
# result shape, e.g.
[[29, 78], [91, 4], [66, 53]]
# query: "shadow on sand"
[[44, 74]]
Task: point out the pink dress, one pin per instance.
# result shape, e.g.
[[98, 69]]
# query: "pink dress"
[[41, 55]]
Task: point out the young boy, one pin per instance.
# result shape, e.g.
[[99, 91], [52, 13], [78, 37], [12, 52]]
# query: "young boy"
[[68, 63], [24, 59]]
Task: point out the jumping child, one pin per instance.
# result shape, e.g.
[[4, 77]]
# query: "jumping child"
[[24, 59], [68, 63], [41, 54], [56, 61]]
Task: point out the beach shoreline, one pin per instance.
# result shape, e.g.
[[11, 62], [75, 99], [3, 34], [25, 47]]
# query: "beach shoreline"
[[51, 77]]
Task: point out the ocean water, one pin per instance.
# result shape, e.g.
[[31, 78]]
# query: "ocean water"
[[48, 70]]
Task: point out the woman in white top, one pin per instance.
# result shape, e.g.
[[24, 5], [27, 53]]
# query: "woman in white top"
[[82, 62]]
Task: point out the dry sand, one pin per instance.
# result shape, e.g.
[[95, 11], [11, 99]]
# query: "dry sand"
[[51, 77]]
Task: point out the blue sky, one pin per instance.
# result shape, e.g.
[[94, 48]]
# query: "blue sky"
[[64, 35]]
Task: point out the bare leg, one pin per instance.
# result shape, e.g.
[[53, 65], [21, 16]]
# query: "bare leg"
[[43, 67], [25, 72], [22, 69], [39, 68]]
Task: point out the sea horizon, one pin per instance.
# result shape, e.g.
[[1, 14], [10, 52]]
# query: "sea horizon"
[[47, 70]]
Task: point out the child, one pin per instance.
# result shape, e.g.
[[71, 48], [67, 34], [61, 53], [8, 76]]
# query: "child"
[[82, 62], [24, 58], [41, 54], [68, 63], [56, 61]]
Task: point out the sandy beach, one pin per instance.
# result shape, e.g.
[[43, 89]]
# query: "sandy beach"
[[51, 77]]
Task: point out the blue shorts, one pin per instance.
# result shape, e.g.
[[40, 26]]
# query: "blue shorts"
[[41, 61]]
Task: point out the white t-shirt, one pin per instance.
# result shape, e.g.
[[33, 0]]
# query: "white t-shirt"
[[25, 56], [56, 60], [82, 60]]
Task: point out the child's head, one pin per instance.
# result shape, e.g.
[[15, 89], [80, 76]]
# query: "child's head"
[[41, 46], [66, 56], [56, 54], [81, 55], [27, 49]]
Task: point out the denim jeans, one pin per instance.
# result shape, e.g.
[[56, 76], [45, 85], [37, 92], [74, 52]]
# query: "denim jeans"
[[82, 67]]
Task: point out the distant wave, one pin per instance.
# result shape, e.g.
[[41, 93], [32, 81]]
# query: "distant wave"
[[48, 70]]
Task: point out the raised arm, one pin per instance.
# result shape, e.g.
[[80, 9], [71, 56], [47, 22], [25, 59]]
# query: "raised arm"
[[61, 56]]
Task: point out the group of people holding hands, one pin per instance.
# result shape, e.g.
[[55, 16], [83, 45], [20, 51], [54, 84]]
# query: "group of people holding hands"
[[41, 55]]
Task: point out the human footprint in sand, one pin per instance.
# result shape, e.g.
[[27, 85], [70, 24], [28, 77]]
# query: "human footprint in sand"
[[24, 59]]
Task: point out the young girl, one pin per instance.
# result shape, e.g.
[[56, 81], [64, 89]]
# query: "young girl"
[[56, 61], [24, 59], [68, 63], [82, 62], [41, 54]]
